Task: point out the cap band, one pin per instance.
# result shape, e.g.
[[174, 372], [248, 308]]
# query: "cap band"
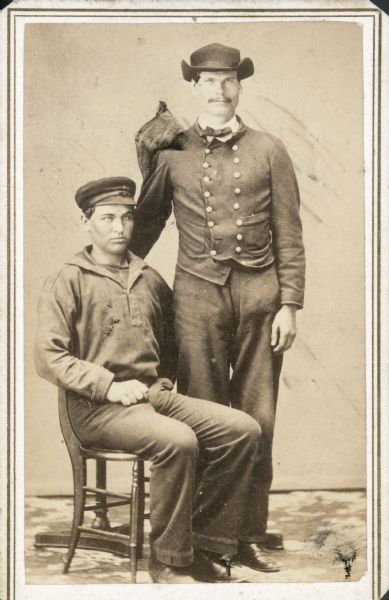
[[114, 194]]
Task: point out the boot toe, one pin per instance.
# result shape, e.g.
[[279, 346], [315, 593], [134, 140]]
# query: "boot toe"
[[257, 558], [161, 573]]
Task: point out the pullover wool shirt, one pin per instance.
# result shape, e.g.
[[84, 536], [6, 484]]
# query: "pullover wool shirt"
[[95, 326], [235, 203]]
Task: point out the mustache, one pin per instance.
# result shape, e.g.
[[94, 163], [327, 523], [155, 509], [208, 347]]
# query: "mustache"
[[220, 100]]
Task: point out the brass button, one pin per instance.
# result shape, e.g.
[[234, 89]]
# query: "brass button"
[[211, 223], [205, 165], [239, 237], [236, 160], [237, 190], [238, 249], [235, 148], [207, 194], [236, 174], [206, 179], [236, 206], [209, 209], [213, 253], [239, 222], [207, 151]]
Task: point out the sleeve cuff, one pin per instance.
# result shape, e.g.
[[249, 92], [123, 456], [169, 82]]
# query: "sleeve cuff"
[[292, 298], [103, 384]]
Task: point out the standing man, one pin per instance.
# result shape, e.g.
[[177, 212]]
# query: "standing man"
[[240, 269]]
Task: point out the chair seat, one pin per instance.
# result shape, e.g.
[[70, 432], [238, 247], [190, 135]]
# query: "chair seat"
[[108, 454]]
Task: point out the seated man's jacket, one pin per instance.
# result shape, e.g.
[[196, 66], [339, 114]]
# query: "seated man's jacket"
[[235, 203], [94, 329]]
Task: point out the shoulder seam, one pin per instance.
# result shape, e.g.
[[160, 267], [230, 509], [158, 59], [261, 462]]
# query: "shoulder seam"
[[54, 277]]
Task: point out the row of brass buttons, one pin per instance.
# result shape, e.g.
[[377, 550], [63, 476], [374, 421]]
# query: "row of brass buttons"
[[236, 205]]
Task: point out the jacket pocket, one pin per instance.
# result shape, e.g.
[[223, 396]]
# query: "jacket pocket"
[[256, 232]]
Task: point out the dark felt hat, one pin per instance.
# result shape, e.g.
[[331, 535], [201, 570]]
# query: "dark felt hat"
[[217, 57], [110, 190]]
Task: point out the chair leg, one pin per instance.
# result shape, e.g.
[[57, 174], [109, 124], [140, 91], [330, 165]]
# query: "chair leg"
[[101, 520], [141, 509], [79, 481], [134, 520]]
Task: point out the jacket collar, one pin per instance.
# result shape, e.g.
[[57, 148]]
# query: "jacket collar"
[[85, 261], [196, 129]]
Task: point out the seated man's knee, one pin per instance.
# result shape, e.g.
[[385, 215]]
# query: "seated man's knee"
[[184, 442], [247, 425]]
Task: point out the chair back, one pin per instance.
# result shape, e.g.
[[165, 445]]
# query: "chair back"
[[71, 440]]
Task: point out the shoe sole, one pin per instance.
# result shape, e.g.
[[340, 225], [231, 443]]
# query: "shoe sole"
[[272, 570], [154, 580]]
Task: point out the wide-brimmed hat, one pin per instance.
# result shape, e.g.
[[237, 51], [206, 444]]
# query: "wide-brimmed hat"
[[109, 190], [217, 57]]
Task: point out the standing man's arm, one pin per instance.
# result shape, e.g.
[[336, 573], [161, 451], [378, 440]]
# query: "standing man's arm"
[[288, 247], [168, 351], [153, 209]]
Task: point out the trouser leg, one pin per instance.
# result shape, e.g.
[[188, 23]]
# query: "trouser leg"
[[254, 383], [229, 442], [220, 326], [172, 448], [203, 328]]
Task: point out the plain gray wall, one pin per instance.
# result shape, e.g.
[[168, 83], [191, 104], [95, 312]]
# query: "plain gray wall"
[[89, 87]]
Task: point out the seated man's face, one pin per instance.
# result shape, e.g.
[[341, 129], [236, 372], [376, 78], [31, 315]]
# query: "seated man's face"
[[110, 227]]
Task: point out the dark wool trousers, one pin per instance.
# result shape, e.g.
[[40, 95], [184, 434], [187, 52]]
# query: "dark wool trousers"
[[223, 334], [202, 455]]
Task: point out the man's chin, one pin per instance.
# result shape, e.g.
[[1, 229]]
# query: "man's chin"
[[118, 247], [220, 110]]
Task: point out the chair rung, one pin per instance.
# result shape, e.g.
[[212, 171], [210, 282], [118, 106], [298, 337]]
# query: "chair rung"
[[104, 492], [108, 505], [107, 534]]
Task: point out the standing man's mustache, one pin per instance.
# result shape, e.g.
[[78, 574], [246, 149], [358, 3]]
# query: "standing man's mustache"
[[219, 100]]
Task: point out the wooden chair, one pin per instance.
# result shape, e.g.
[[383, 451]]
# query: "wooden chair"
[[101, 529]]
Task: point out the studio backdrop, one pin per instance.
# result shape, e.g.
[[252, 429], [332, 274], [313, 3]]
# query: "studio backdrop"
[[89, 87]]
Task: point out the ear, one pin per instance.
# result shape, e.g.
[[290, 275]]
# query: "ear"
[[85, 222], [194, 87]]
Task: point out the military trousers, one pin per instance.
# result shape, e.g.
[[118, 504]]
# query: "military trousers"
[[223, 334], [202, 461]]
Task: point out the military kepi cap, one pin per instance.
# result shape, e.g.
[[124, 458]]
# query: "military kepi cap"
[[110, 190], [217, 57]]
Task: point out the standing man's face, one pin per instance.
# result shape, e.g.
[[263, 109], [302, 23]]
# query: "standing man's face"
[[217, 93]]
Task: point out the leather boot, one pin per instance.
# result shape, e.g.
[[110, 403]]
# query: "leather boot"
[[161, 573], [256, 557]]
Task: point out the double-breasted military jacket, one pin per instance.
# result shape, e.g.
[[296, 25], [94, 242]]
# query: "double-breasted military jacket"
[[235, 203]]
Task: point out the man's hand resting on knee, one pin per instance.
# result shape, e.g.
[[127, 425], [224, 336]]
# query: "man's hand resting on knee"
[[127, 392]]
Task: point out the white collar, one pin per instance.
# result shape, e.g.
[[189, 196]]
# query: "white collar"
[[233, 123]]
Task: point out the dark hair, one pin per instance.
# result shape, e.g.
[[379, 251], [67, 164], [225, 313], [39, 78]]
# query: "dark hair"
[[196, 76], [89, 212]]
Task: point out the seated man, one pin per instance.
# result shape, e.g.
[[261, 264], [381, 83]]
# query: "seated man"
[[105, 335]]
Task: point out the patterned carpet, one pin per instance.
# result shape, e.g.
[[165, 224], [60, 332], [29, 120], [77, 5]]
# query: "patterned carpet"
[[324, 534]]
